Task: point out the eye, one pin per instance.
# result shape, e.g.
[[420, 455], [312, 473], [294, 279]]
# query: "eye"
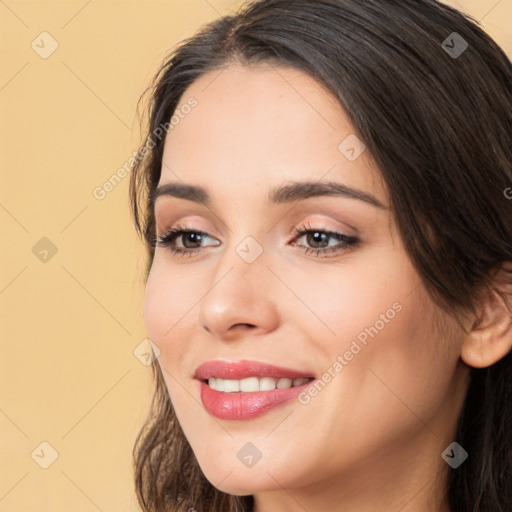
[[318, 239], [189, 239]]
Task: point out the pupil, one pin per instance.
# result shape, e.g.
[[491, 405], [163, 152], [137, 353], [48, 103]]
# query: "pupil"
[[192, 237], [316, 237]]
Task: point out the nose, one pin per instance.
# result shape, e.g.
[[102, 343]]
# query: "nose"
[[239, 300]]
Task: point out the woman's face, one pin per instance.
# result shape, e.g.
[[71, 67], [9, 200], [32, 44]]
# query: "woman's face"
[[349, 312]]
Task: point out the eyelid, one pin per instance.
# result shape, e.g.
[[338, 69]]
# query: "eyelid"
[[314, 222], [345, 243], [189, 222], [167, 214], [326, 214]]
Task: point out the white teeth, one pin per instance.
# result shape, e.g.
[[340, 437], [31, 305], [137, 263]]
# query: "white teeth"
[[253, 384], [250, 384], [284, 383], [231, 386], [267, 384]]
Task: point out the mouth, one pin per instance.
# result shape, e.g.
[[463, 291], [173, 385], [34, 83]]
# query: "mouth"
[[254, 384], [243, 370], [247, 389]]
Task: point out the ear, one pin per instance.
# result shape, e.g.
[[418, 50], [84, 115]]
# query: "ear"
[[490, 337]]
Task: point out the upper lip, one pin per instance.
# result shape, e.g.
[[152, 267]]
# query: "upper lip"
[[237, 370]]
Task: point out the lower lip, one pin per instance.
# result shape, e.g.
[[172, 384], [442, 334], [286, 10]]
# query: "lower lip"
[[245, 406]]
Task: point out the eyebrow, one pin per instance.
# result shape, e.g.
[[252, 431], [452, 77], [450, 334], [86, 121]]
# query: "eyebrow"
[[287, 193]]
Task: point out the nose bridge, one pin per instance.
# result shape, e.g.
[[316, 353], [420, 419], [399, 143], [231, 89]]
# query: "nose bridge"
[[244, 251], [240, 291]]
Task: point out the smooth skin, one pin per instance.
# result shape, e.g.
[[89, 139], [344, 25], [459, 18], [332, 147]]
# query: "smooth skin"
[[372, 438]]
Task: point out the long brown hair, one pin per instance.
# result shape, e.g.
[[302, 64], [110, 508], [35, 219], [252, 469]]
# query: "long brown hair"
[[438, 123]]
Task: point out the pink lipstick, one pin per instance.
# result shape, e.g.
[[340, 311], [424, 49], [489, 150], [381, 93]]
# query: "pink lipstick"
[[247, 389]]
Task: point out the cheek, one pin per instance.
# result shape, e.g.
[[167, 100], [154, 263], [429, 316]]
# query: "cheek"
[[399, 369], [156, 308], [362, 299], [163, 310], [382, 327]]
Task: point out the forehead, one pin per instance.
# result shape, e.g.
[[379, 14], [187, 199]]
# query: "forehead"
[[258, 126]]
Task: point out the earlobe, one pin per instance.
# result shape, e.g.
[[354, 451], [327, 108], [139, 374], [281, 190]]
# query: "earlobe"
[[490, 338]]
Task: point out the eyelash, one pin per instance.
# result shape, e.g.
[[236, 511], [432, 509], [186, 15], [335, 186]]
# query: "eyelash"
[[346, 242]]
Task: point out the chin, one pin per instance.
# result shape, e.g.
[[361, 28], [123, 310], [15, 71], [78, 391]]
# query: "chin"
[[243, 482]]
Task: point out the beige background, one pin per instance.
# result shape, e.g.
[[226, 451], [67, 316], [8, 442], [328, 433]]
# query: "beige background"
[[71, 321]]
